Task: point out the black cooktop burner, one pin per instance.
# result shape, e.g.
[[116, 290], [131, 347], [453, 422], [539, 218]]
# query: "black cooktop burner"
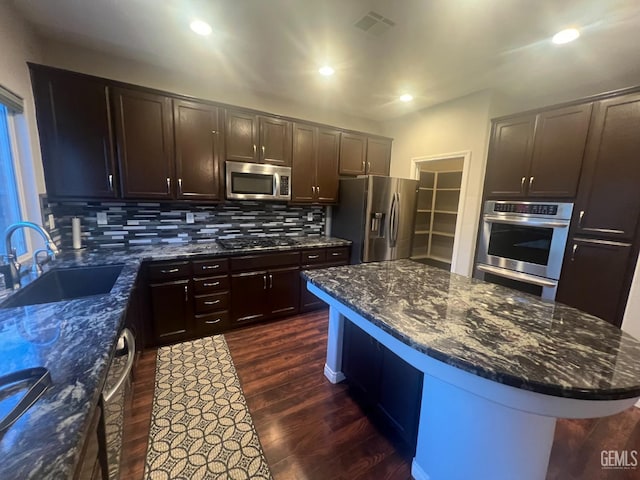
[[255, 242]]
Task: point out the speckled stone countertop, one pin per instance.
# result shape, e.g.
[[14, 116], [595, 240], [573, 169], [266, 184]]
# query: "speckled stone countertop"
[[489, 330], [75, 340]]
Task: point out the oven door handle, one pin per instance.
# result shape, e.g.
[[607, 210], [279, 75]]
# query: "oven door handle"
[[131, 345], [521, 277], [533, 222]]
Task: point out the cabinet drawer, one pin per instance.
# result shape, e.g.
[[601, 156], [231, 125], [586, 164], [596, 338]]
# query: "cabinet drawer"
[[211, 284], [317, 255], [209, 323], [210, 267], [338, 254], [211, 303], [169, 270], [257, 262]]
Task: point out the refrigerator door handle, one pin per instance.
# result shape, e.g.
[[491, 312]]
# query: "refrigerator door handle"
[[392, 221], [397, 219]]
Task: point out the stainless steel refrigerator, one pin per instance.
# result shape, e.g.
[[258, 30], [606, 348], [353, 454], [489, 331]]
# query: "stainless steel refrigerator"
[[377, 215]]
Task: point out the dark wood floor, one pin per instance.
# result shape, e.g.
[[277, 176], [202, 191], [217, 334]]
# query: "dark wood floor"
[[311, 429]]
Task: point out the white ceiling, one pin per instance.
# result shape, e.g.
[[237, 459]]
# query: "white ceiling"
[[438, 49]]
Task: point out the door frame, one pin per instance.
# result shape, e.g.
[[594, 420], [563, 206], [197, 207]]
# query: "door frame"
[[417, 162]]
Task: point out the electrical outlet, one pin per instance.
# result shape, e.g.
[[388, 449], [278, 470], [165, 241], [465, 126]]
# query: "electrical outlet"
[[102, 218], [190, 218], [309, 216], [51, 221]]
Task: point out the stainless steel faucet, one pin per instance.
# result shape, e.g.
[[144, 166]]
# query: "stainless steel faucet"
[[12, 255]]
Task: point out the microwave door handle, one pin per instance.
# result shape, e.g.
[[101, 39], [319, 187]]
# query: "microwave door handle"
[[276, 185], [533, 222]]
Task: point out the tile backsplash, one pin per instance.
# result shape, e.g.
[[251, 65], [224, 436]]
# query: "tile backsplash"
[[145, 223]]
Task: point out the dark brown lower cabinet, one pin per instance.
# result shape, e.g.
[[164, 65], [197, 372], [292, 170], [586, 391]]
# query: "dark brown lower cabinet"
[[314, 259], [172, 310], [284, 291], [596, 278], [93, 458], [248, 297], [383, 380]]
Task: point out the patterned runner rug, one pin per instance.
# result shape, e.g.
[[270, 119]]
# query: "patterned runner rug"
[[200, 426]]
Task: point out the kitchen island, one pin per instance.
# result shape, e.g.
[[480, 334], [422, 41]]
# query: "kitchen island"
[[499, 366], [75, 340]]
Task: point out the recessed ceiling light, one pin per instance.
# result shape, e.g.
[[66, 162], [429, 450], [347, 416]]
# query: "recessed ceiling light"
[[406, 97], [565, 36], [327, 71], [200, 27]]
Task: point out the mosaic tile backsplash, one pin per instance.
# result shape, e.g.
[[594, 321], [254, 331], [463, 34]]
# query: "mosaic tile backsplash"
[[142, 223]]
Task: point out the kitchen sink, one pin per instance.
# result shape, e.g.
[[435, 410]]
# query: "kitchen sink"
[[66, 284]]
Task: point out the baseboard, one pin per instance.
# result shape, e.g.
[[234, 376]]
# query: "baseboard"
[[334, 377]]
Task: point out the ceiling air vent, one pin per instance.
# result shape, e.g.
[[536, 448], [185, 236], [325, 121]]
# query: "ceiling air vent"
[[374, 23]]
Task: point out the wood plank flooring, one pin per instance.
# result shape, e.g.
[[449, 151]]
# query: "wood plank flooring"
[[311, 429]]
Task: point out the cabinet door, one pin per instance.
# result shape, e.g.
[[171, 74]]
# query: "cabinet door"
[[197, 137], [328, 152], [303, 164], [595, 278], [608, 202], [75, 134], [248, 297], [172, 311], [144, 132], [275, 141], [361, 360], [353, 153], [509, 157], [558, 149], [284, 291], [378, 156], [400, 394], [241, 136]]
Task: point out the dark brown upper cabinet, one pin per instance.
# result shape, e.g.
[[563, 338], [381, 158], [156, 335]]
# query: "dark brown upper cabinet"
[[362, 155], [144, 135], [197, 147], [608, 203], [315, 164], [538, 155], [378, 156], [353, 154], [257, 139], [75, 134]]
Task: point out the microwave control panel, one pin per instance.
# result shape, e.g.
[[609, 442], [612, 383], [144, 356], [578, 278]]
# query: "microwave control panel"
[[284, 185], [526, 208]]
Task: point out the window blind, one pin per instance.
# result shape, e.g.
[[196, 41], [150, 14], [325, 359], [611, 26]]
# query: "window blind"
[[10, 100]]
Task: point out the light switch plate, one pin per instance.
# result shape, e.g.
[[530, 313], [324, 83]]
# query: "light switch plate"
[[190, 218], [51, 221], [102, 218], [309, 216]]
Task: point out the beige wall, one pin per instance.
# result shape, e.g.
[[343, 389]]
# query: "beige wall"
[[456, 126], [17, 46], [73, 57]]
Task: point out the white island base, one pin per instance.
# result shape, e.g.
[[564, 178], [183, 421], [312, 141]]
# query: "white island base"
[[470, 427]]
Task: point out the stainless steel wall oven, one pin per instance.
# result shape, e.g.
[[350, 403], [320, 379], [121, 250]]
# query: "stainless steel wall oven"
[[522, 245]]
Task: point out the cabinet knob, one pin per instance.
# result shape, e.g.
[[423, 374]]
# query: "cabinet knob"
[[215, 132], [318, 190], [180, 185], [573, 251], [263, 151], [530, 183], [254, 149], [580, 218], [368, 167], [186, 293], [264, 282], [168, 185], [110, 183], [270, 281], [522, 184]]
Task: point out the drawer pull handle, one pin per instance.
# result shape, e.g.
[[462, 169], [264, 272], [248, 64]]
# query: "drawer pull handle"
[[214, 284], [171, 270], [336, 254], [210, 267], [212, 302], [186, 294], [310, 257], [212, 322]]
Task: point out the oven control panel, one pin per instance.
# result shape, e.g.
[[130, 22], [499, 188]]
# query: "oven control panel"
[[527, 208]]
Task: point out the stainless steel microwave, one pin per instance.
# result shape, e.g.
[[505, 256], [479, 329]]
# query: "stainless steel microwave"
[[257, 181]]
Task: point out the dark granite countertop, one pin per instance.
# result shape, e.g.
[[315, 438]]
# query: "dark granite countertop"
[[75, 340], [489, 330]]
